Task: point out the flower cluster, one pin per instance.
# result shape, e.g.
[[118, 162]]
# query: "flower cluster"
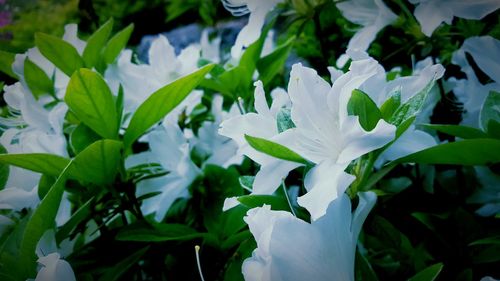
[[267, 161]]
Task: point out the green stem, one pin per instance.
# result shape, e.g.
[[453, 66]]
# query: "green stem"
[[287, 198]]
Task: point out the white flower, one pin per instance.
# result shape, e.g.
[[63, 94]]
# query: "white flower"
[[372, 15], [139, 81], [431, 13], [261, 124], [485, 51], [170, 149], [52, 267], [13, 198], [325, 134], [220, 150], [291, 249], [258, 10]]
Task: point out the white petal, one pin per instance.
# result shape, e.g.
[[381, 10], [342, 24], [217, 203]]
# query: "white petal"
[[359, 142], [325, 183]]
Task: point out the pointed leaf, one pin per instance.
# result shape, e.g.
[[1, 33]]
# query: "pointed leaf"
[[412, 107], [37, 80], [274, 149], [89, 97], [360, 104], [61, 53], [273, 63], [6, 61], [95, 44], [42, 219], [428, 274], [49, 164], [465, 152], [391, 105], [117, 43], [161, 102], [490, 111], [98, 163], [463, 132]]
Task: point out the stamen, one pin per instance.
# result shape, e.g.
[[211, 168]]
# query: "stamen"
[[197, 251]]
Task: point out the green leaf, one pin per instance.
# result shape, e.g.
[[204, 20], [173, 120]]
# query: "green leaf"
[[117, 43], [6, 61], [42, 219], [4, 169], [61, 53], [44, 185], [49, 164], [114, 273], [246, 182], [90, 99], [37, 80], [465, 152], [412, 107], [81, 137], [95, 44], [463, 132], [253, 201], [391, 105], [428, 274], [274, 149], [161, 102], [272, 64], [233, 266], [81, 214], [98, 163], [494, 240], [490, 112], [360, 104], [158, 233], [364, 270], [284, 120]]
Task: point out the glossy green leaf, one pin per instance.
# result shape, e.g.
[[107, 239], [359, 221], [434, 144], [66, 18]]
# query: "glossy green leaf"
[[4, 169], [273, 63], [114, 273], [37, 80], [465, 152], [90, 99], [98, 163], [81, 214], [6, 61], [161, 102], [428, 274], [81, 137], [253, 201], [158, 233], [412, 107], [61, 53], [360, 104], [95, 44], [42, 219], [391, 105], [38, 162], [274, 149], [117, 43], [463, 132]]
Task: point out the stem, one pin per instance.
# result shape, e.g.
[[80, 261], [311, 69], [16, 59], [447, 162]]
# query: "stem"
[[287, 198]]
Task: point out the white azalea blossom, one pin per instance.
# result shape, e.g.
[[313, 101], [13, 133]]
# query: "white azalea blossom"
[[219, 150], [325, 134], [372, 15], [262, 124], [258, 10], [170, 149], [431, 13], [470, 91], [139, 81], [51, 264], [291, 249]]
